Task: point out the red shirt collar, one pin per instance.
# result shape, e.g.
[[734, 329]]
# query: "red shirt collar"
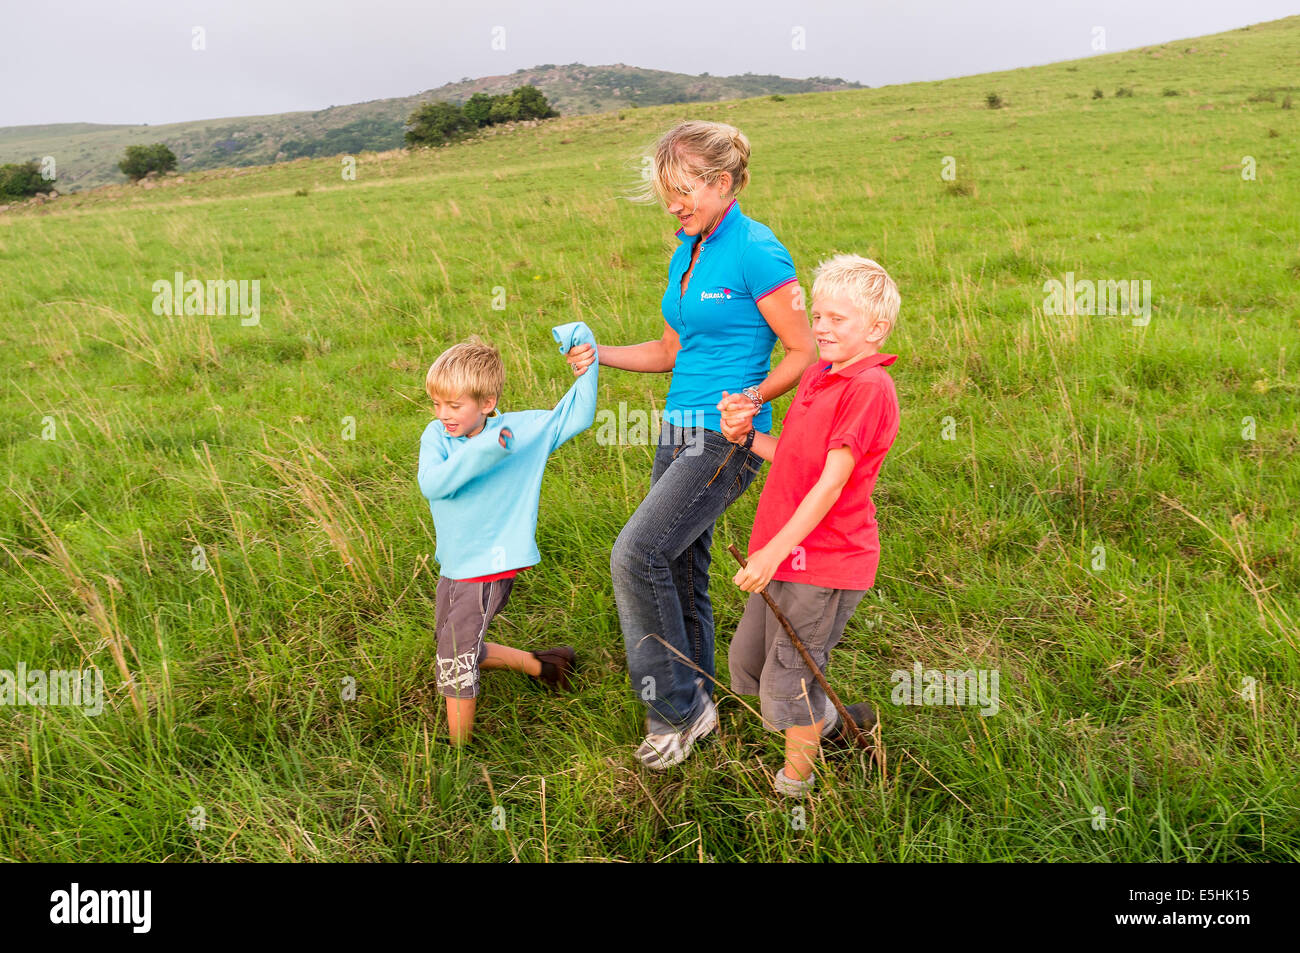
[[725, 220], [880, 358]]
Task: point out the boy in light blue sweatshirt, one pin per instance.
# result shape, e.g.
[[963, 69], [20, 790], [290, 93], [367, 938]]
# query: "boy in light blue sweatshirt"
[[482, 476]]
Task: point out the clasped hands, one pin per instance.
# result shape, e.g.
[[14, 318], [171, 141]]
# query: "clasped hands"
[[737, 416]]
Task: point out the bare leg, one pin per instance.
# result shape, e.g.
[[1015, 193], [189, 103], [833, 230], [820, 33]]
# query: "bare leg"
[[460, 711], [801, 745], [517, 660], [460, 719]]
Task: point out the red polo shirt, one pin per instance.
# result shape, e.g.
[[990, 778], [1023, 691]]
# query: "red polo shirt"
[[855, 408]]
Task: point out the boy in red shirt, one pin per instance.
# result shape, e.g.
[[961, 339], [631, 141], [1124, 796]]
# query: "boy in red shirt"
[[815, 544]]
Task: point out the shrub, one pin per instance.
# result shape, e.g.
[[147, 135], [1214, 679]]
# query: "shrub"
[[437, 123], [993, 101], [141, 160], [22, 180], [1123, 91], [1170, 91], [478, 109], [1097, 93]]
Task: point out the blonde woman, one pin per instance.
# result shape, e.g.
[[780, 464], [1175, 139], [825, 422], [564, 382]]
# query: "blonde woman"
[[731, 294]]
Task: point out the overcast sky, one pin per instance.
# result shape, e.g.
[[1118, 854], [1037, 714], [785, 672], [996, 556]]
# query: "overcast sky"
[[131, 61]]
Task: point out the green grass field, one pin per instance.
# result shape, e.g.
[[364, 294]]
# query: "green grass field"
[[1160, 690]]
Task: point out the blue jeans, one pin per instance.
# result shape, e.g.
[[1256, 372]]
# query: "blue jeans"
[[660, 568]]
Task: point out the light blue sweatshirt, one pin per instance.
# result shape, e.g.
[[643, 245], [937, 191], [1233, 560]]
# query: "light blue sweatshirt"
[[484, 496]]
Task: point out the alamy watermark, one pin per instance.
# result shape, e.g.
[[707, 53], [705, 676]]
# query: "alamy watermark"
[[637, 427], [129, 907], [214, 297], [53, 687], [933, 686], [1127, 297]]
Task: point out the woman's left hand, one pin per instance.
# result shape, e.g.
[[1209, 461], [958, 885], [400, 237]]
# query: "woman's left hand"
[[580, 358]]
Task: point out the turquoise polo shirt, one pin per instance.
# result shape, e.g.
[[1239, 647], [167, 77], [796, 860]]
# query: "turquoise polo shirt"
[[725, 342]]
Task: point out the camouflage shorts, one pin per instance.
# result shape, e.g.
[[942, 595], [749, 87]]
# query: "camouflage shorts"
[[464, 610]]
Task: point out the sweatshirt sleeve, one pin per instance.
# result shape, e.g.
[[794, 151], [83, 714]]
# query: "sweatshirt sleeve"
[[576, 410], [441, 474]]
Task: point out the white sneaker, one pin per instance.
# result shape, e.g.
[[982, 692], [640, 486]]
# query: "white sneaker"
[[662, 750]]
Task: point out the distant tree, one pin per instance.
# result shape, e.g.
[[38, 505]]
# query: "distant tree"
[[22, 180], [478, 109], [141, 160], [504, 109], [533, 104], [437, 123]]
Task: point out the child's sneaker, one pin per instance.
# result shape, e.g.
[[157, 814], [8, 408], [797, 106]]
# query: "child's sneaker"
[[663, 749], [557, 666], [834, 734], [793, 787]]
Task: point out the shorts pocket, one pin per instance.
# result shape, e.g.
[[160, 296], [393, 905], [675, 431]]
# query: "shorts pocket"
[[792, 661]]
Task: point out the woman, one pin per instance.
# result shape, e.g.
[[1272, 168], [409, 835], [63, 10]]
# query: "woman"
[[731, 294]]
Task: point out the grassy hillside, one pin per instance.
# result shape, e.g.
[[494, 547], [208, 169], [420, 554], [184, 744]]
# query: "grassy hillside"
[[87, 154], [200, 528]]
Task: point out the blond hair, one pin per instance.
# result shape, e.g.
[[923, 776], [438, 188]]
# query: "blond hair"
[[867, 286], [694, 148], [473, 368]]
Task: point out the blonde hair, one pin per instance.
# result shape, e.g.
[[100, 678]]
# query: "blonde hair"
[[472, 367], [694, 148], [866, 284]]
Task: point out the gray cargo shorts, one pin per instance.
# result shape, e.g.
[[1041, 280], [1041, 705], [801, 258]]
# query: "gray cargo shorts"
[[764, 662], [463, 611]]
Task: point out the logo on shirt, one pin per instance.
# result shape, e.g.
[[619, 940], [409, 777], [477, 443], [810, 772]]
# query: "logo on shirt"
[[719, 295]]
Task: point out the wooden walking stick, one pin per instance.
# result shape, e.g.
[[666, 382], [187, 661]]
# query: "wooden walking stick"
[[850, 725]]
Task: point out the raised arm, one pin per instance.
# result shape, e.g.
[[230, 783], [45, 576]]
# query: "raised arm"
[[442, 474], [576, 410]]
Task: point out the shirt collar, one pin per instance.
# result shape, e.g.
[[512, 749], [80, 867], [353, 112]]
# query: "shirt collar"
[[878, 359], [723, 224]]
